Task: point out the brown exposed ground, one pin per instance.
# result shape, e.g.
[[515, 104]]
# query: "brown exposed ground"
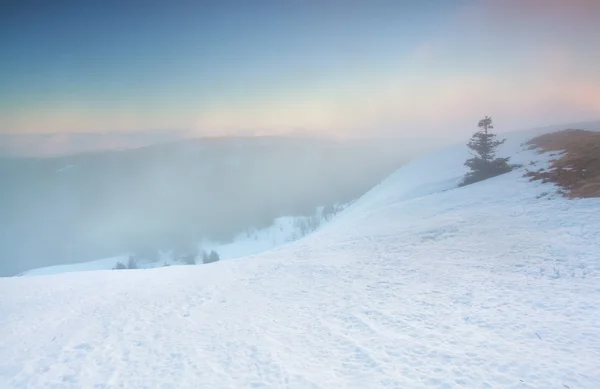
[[577, 167]]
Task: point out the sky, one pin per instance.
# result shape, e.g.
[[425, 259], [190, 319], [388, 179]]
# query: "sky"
[[117, 73]]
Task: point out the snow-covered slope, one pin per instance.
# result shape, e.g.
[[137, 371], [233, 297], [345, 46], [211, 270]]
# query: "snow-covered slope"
[[283, 230], [417, 285]]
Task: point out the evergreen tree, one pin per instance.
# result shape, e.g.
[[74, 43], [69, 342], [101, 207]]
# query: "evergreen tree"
[[210, 258], [484, 163], [132, 263], [119, 266], [213, 257]]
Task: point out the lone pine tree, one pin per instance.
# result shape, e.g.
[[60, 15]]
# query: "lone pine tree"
[[484, 163]]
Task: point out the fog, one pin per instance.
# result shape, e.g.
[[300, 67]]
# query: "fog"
[[89, 206]]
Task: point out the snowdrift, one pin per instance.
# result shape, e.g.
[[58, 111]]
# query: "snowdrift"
[[419, 284]]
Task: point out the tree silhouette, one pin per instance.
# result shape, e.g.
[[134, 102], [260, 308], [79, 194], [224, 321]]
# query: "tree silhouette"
[[484, 163], [210, 258]]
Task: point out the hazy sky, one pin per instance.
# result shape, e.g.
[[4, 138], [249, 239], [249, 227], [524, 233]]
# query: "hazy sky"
[[327, 67]]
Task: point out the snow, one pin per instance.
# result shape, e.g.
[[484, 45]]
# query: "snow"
[[283, 230], [100, 264], [418, 284]]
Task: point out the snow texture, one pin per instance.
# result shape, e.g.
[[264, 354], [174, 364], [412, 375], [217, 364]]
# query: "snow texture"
[[284, 230], [419, 284]]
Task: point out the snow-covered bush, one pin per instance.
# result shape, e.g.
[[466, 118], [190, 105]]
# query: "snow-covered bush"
[[210, 258], [131, 264], [307, 224], [186, 253], [189, 259], [119, 266]]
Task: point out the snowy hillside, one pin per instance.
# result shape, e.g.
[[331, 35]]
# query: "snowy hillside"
[[284, 230], [154, 197], [419, 284]]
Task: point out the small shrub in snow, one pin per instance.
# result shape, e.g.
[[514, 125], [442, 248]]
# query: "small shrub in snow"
[[119, 266], [189, 259], [210, 258], [307, 224], [330, 211], [186, 253], [132, 262]]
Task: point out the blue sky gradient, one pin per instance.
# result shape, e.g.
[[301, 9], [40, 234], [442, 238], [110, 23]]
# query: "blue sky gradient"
[[328, 68]]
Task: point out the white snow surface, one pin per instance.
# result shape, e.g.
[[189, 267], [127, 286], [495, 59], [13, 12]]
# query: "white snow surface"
[[419, 284], [253, 241]]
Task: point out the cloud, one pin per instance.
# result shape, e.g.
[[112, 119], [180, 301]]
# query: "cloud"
[[45, 145], [525, 62]]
